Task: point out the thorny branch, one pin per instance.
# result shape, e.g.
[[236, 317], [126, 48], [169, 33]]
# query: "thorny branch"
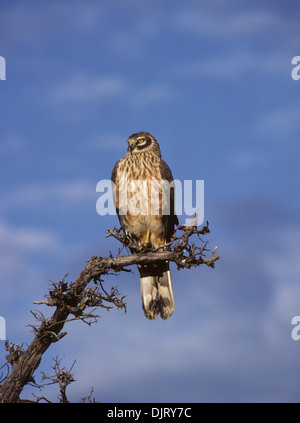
[[78, 301]]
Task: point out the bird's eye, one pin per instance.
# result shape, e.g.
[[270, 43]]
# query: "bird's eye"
[[141, 140]]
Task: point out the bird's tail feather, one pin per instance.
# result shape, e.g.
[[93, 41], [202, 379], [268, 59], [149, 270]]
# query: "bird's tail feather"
[[157, 293]]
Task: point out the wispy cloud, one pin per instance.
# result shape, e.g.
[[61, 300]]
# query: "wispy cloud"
[[83, 88], [21, 248], [231, 22], [66, 193], [236, 65], [25, 239], [238, 32], [23, 23]]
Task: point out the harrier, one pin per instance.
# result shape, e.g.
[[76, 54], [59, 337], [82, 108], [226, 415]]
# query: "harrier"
[[144, 200]]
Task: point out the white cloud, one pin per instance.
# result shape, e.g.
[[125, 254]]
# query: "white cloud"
[[66, 193], [84, 88], [92, 88], [25, 239], [26, 22], [20, 270], [239, 29], [218, 22], [236, 65]]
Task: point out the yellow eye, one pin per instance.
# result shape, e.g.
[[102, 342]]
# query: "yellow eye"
[[141, 140]]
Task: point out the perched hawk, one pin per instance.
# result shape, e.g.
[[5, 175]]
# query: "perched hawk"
[[144, 200]]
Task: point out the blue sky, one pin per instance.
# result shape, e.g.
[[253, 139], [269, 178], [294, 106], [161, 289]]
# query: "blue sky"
[[211, 80]]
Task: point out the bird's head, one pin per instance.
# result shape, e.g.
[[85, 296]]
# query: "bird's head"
[[141, 142]]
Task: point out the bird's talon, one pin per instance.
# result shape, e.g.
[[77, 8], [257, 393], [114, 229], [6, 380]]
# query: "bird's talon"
[[144, 245]]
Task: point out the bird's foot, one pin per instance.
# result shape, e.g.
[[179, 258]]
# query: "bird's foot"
[[145, 245]]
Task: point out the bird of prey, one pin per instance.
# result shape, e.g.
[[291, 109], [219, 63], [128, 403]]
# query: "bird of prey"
[[146, 214]]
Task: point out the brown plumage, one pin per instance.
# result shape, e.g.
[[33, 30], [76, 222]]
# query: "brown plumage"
[[145, 207]]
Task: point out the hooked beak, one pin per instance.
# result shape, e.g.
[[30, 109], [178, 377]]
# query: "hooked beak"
[[131, 146]]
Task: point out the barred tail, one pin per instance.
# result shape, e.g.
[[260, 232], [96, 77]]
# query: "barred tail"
[[157, 293]]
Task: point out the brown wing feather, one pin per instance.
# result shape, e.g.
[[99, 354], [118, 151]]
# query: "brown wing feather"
[[169, 220], [113, 179], [114, 172]]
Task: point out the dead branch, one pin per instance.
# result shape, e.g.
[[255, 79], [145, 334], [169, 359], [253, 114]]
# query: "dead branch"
[[73, 301], [62, 376]]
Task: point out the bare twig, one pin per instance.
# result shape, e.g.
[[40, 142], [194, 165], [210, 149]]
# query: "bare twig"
[[62, 376]]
